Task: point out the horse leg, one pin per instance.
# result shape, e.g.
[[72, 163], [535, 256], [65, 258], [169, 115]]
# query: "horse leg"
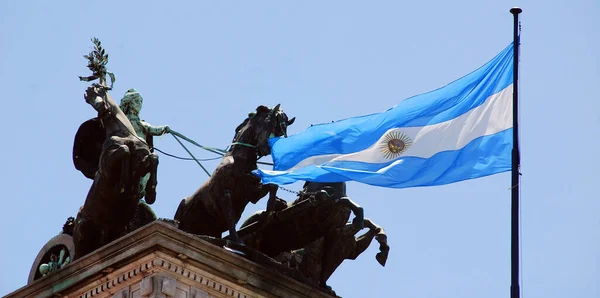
[[274, 203], [152, 162], [230, 218], [125, 164], [341, 245], [86, 236], [336, 246], [381, 237], [272, 188], [362, 243], [359, 213], [119, 153]]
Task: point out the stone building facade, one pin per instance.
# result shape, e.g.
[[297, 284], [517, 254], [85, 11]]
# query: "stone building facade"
[[161, 261]]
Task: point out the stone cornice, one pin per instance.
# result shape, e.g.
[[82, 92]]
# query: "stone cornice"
[[161, 264], [162, 248]]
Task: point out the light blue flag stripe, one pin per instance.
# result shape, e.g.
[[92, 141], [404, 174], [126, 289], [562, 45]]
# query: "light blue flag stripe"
[[467, 120], [357, 133], [445, 167]]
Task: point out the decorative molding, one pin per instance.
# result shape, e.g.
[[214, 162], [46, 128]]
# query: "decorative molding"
[[157, 264], [200, 269], [63, 240]]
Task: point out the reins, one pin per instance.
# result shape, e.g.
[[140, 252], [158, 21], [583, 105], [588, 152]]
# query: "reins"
[[176, 135]]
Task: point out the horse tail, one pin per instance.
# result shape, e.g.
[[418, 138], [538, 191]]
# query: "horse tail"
[[180, 211]]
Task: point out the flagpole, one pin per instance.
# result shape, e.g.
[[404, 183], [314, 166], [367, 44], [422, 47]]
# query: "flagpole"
[[514, 285]]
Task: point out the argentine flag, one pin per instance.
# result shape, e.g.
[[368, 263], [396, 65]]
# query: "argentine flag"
[[460, 131]]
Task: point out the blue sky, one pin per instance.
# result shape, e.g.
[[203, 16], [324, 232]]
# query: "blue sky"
[[201, 66]]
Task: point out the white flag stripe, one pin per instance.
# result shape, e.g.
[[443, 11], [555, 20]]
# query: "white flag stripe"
[[493, 116]]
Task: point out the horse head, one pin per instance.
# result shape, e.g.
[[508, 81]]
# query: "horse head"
[[334, 189], [262, 125], [96, 96]]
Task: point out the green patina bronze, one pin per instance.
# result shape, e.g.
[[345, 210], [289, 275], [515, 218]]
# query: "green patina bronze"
[[131, 105], [55, 263]]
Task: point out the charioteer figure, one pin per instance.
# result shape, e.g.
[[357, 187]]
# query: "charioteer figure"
[[131, 105]]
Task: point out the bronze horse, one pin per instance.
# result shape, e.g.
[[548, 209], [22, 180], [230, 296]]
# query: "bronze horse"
[[112, 201], [343, 246], [319, 215], [217, 205]]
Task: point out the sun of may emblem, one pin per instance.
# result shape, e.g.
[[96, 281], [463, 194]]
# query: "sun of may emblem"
[[394, 144]]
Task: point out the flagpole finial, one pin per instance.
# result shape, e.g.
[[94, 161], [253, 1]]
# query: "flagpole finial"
[[516, 10]]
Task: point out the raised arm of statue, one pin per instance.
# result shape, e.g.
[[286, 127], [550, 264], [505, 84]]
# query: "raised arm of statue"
[[154, 130], [88, 78]]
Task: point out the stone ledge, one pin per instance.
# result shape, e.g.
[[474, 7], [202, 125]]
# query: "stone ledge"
[[159, 248]]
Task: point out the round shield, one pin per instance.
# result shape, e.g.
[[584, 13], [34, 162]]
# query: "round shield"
[[87, 147]]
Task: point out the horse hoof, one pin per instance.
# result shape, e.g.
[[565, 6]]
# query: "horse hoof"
[[327, 289], [233, 237], [150, 196], [381, 258]]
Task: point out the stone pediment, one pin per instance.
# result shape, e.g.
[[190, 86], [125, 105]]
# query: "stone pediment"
[[159, 260]]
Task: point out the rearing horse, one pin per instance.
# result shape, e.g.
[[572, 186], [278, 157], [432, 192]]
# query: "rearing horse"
[[318, 215], [218, 204], [114, 195]]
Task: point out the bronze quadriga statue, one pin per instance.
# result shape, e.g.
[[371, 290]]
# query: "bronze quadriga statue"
[[307, 239], [126, 169]]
